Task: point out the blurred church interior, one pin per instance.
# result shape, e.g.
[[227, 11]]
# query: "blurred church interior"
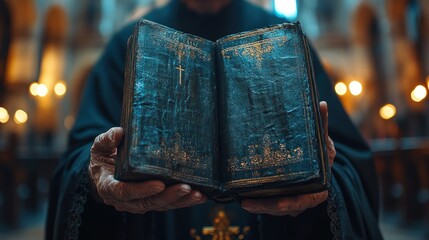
[[376, 52]]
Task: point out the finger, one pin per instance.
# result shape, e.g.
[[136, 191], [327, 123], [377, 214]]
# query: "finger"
[[100, 167], [112, 189], [267, 206], [294, 214], [107, 142], [141, 206], [160, 202], [285, 205], [311, 200], [192, 199], [102, 160], [329, 143]]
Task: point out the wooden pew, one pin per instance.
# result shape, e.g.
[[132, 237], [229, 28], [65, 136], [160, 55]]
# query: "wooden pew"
[[11, 175], [403, 168], [23, 168]]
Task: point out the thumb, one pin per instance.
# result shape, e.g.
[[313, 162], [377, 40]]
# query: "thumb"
[[324, 113], [107, 142], [329, 143]]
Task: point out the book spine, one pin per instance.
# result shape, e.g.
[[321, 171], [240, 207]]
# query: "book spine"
[[320, 131], [121, 166]]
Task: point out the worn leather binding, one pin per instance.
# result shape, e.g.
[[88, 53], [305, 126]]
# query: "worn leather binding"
[[236, 118]]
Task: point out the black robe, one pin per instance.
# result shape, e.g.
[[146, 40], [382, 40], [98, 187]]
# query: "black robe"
[[349, 213]]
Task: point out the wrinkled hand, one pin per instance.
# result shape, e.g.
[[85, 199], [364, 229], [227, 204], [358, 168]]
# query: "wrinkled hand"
[[296, 204], [134, 197]]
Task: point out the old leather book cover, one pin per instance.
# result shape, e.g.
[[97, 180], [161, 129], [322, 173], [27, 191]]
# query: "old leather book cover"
[[169, 110], [238, 118]]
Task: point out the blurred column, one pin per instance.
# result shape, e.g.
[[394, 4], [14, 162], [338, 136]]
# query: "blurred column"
[[368, 58], [406, 67], [51, 78], [23, 48], [21, 63]]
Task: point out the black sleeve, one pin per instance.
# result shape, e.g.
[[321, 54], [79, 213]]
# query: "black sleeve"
[[72, 212]]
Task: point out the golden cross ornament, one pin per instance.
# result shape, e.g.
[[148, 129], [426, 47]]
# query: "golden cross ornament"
[[180, 73], [221, 229]]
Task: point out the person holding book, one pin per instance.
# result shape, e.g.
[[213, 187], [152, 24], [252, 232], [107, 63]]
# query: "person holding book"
[[86, 202]]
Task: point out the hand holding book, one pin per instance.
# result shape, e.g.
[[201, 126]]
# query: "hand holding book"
[[236, 119], [139, 197], [153, 195]]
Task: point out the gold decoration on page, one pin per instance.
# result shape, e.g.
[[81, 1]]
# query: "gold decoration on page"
[[175, 152], [183, 49], [255, 50], [274, 154]]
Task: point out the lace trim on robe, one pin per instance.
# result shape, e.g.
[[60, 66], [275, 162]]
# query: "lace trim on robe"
[[333, 213], [77, 207]]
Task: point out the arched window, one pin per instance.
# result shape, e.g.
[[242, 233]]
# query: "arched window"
[[366, 33], [87, 20], [22, 49]]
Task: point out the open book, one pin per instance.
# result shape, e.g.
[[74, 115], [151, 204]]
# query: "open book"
[[236, 118]]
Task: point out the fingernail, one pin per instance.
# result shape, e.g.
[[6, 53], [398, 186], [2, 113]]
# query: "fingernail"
[[184, 189], [197, 196]]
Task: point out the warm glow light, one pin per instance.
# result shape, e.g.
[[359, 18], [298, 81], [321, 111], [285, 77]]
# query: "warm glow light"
[[60, 88], [33, 89], [42, 90], [419, 93], [388, 111], [341, 88], [414, 97], [20, 116], [4, 116], [355, 88]]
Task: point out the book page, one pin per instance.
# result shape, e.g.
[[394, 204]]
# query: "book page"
[[267, 120]]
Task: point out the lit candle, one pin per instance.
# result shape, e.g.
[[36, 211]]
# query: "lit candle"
[[33, 89], [341, 88], [355, 88], [388, 111], [42, 90], [60, 88], [20, 117], [4, 115], [419, 93]]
